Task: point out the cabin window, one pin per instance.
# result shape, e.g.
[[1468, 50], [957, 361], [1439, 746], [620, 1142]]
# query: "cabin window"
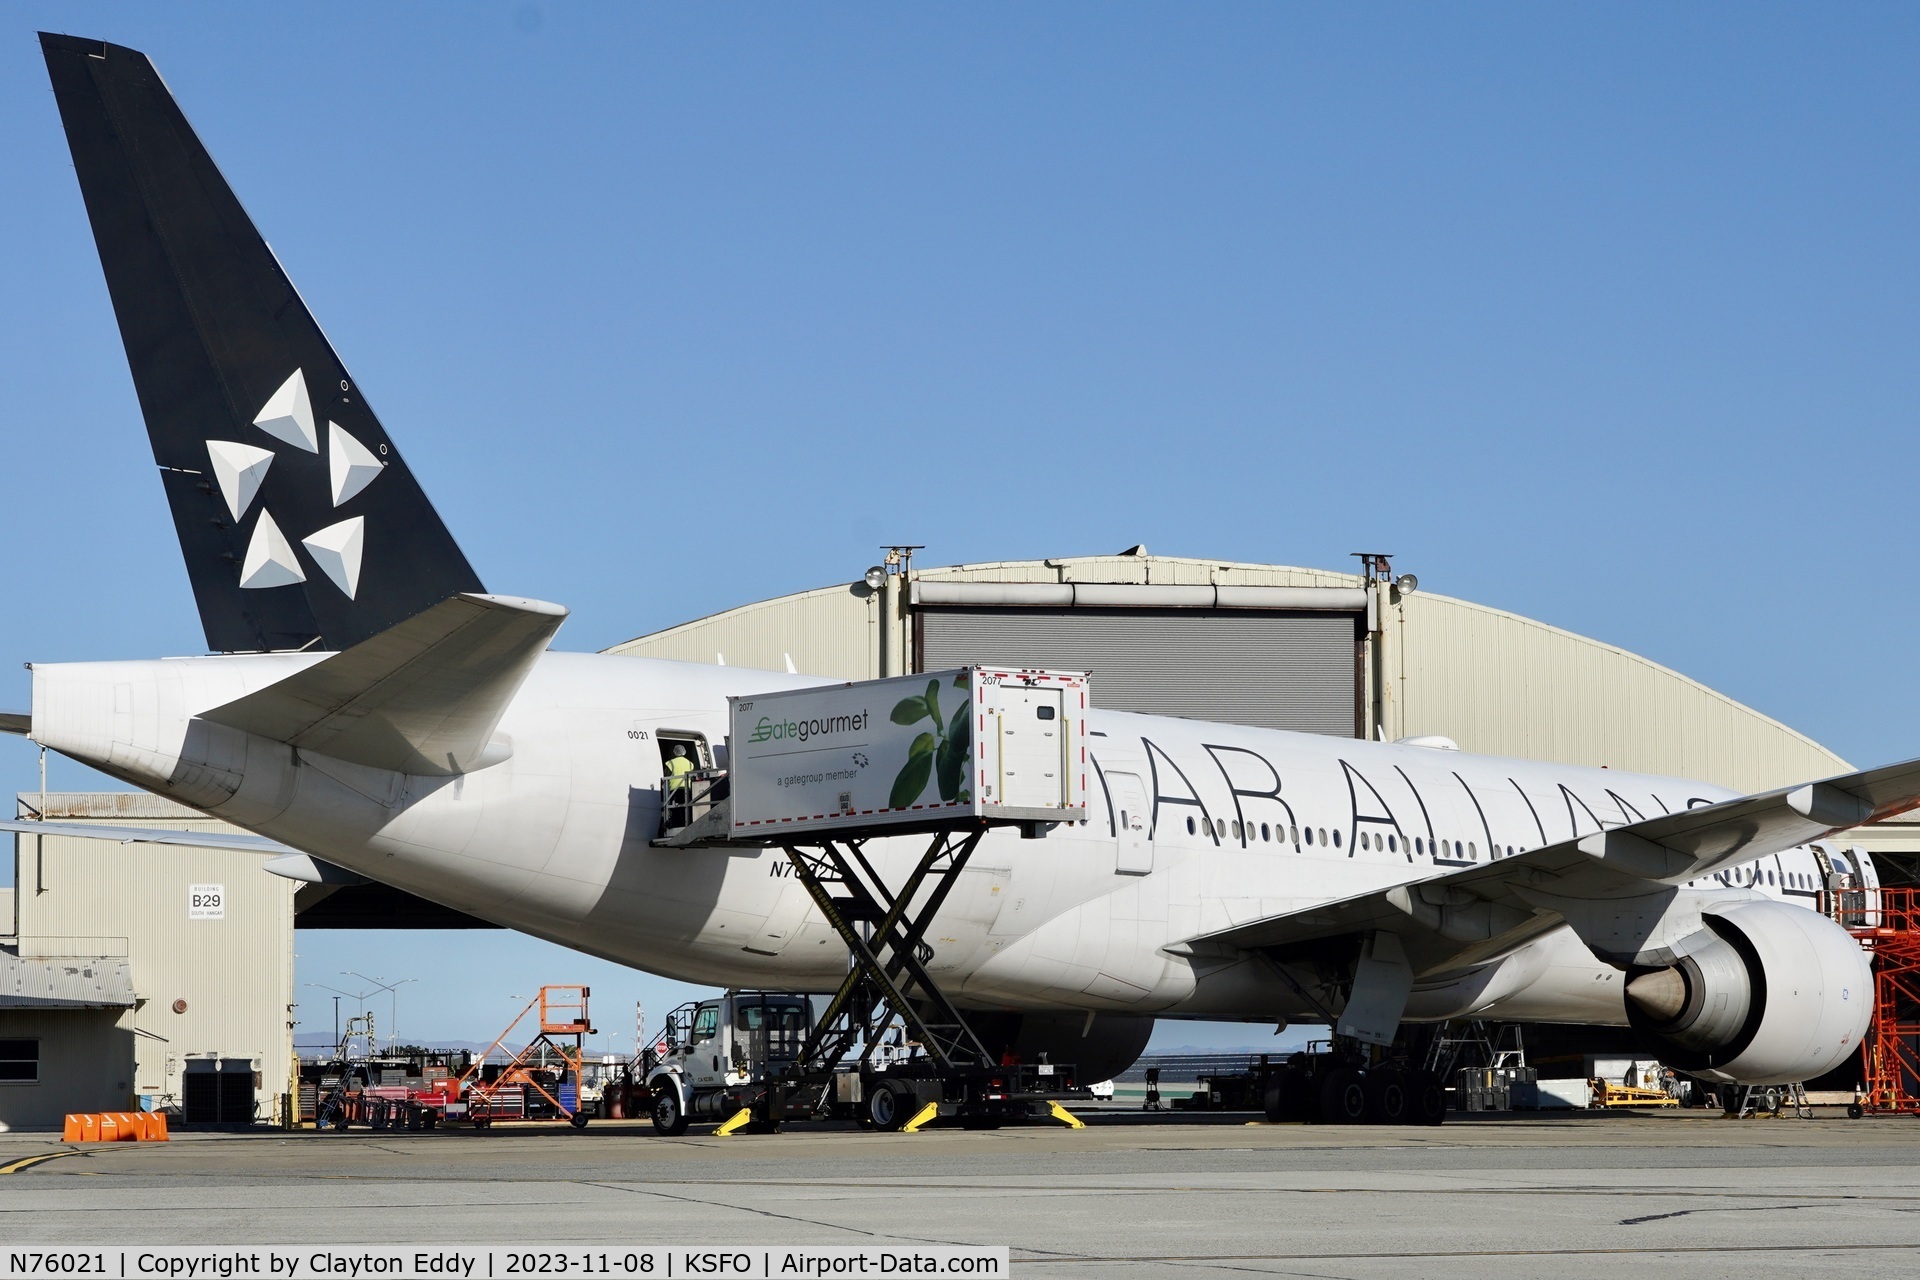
[[1309, 835], [1472, 852], [1220, 828], [1265, 831], [1336, 839], [1419, 845], [1393, 843], [1191, 829], [1236, 828]]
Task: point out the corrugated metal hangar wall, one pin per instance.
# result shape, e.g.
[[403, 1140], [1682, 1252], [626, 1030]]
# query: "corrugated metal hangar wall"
[[1275, 645]]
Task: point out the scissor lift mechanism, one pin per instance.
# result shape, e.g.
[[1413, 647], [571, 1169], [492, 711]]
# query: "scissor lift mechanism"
[[887, 979]]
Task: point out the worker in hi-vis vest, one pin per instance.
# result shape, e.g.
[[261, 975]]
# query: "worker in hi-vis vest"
[[678, 767]]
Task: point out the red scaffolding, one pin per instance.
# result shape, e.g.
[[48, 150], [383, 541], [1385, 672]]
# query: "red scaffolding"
[[1887, 923]]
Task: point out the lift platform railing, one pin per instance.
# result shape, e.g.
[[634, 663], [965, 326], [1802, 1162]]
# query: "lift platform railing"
[[686, 800], [562, 1016], [1888, 925]]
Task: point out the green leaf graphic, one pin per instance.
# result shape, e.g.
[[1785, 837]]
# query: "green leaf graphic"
[[933, 700], [912, 780], [955, 753], [921, 745], [907, 710]]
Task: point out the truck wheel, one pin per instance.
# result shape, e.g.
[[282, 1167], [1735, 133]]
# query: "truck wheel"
[[1426, 1099], [887, 1108], [1273, 1098], [668, 1118], [1343, 1097], [1387, 1101], [578, 1120]]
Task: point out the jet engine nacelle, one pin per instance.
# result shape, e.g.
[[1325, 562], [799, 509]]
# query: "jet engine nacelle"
[[1099, 1050], [1765, 994]]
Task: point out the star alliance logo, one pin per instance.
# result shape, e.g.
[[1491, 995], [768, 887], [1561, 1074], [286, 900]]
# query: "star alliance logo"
[[240, 469]]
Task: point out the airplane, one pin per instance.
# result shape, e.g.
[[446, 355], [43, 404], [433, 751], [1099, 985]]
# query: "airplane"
[[369, 710]]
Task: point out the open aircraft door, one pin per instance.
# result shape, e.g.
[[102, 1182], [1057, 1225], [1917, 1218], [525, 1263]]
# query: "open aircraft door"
[[1131, 825]]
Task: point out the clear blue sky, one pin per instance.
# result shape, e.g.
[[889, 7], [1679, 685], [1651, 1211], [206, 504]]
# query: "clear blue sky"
[[1602, 314]]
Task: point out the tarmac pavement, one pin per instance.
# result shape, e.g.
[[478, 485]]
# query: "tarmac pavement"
[[1570, 1195]]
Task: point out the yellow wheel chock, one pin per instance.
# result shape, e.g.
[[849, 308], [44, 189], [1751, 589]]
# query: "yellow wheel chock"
[[1065, 1116], [927, 1114], [739, 1119]]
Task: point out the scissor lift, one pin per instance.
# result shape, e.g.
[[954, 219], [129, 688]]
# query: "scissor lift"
[[953, 1075], [943, 755]]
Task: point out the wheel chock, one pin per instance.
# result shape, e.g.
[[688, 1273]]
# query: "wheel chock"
[[1065, 1116], [927, 1114], [740, 1118]]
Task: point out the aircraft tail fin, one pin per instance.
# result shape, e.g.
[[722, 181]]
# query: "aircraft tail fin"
[[423, 697], [300, 524]]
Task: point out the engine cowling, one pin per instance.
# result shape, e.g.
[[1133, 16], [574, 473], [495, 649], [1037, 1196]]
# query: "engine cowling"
[[1765, 993], [1098, 1052]]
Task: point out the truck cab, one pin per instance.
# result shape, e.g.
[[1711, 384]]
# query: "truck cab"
[[720, 1051]]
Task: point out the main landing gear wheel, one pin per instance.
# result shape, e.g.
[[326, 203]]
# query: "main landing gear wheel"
[[1426, 1099], [668, 1118], [1387, 1100], [887, 1108], [1289, 1096], [1343, 1097]]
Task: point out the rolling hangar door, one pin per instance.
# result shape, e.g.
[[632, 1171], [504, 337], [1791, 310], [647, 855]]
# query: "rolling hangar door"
[[1278, 657]]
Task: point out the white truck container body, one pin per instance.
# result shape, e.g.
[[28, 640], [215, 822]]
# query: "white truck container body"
[[983, 743]]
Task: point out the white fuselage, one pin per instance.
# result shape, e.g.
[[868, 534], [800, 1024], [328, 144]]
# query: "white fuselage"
[[1192, 828]]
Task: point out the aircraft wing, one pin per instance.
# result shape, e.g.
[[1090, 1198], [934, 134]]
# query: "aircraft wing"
[[1463, 917], [150, 835]]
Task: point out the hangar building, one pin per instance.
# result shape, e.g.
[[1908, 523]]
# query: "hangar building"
[[1310, 649]]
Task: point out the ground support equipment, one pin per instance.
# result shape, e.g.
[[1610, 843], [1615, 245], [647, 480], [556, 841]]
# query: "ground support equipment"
[[1887, 924], [337, 1101], [543, 1079], [952, 1076], [1608, 1094]]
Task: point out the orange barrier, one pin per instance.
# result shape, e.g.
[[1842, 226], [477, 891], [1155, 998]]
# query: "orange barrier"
[[116, 1126]]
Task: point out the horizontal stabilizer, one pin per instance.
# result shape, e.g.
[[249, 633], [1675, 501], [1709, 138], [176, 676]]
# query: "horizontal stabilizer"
[[308, 869], [149, 835], [20, 722], [422, 697]]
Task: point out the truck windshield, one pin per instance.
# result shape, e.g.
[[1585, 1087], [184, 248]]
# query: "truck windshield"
[[706, 1022], [780, 1017]]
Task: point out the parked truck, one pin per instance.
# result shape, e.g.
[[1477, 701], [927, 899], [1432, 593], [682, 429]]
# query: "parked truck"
[[740, 1052]]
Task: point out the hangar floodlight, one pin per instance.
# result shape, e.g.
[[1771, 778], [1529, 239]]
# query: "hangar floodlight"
[[1406, 584], [876, 577]]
